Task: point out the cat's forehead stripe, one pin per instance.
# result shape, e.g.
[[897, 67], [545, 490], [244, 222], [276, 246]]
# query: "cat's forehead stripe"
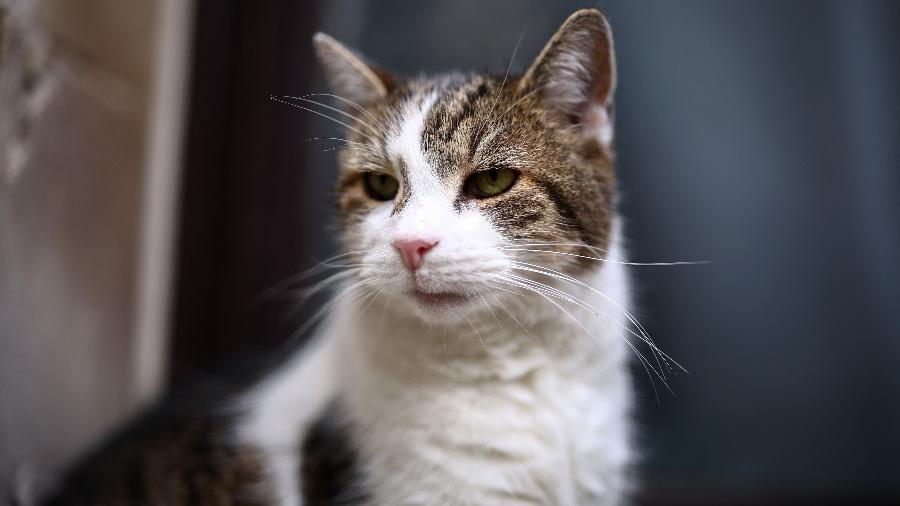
[[456, 105], [452, 129], [405, 149]]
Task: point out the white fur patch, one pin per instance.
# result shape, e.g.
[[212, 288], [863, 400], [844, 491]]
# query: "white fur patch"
[[406, 145], [279, 411], [598, 125]]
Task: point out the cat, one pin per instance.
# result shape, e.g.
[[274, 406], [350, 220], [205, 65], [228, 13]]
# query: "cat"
[[476, 349]]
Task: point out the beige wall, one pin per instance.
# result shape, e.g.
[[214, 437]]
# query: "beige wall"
[[89, 194]]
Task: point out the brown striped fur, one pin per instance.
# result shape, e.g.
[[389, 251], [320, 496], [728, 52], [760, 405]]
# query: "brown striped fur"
[[168, 462]]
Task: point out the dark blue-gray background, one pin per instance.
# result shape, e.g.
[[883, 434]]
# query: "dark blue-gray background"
[[765, 138]]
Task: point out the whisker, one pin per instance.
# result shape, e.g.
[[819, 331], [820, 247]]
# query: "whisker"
[[323, 312], [529, 243], [387, 303], [300, 297], [319, 267], [475, 329], [508, 312], [339, 122], [643, 360], [512, 59], [372, 297], [598, 259], [348, 102], [490, 309], [514, 105], [563, 276], [645, 336], [306, 294], [366, 148], [542, 287], [335, 109]]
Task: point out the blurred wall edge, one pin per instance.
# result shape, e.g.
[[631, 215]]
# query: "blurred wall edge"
[[91, 94]]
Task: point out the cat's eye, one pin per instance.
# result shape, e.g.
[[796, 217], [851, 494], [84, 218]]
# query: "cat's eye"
[[488, 183], [381, 186]]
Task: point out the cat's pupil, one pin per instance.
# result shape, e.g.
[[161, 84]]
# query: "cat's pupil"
[[493, 174]]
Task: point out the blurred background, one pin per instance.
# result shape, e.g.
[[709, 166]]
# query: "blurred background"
[[150, 192]]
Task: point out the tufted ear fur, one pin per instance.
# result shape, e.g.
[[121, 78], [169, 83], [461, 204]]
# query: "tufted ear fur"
[[348, 74], [576, 73]]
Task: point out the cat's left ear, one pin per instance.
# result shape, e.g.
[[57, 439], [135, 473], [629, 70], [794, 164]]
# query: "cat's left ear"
[[348, 74], [576, 73]]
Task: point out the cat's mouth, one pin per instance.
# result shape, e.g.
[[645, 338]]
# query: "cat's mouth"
[[438, 300]]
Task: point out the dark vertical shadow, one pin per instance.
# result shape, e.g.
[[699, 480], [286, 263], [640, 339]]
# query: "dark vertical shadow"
[[242, 227]]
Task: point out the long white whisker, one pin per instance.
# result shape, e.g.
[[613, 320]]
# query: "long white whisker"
[[513, 106], [512, 59], [508, 312], [348, 102], [645, 336], [372, 296], [544, 288], [475, 329], [387, 303], [325, 309], [308, 292], [339, 122], [643, 360], [598, 259], [491, 310], [367, 148], [303, 296], [320, 266], [335, 109], [657, 353]]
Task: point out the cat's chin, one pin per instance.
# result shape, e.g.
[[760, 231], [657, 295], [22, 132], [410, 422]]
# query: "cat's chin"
[[439, 301], [440, 307]]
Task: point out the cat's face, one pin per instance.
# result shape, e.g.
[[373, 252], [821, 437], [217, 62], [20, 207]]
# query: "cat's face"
[[448, 182]]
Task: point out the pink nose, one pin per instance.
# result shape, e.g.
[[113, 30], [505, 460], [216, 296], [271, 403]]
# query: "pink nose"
[[413, 251]]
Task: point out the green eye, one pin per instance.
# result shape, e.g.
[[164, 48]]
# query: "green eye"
[[381, 186], [492, 182]]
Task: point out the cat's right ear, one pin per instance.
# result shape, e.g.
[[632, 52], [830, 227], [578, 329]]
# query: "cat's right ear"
[[348, 74], [576, 73]]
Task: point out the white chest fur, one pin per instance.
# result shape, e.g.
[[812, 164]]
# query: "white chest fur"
[[493, 416], [489, 415]]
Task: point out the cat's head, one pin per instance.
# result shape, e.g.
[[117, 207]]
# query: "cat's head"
[[447, 182]]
